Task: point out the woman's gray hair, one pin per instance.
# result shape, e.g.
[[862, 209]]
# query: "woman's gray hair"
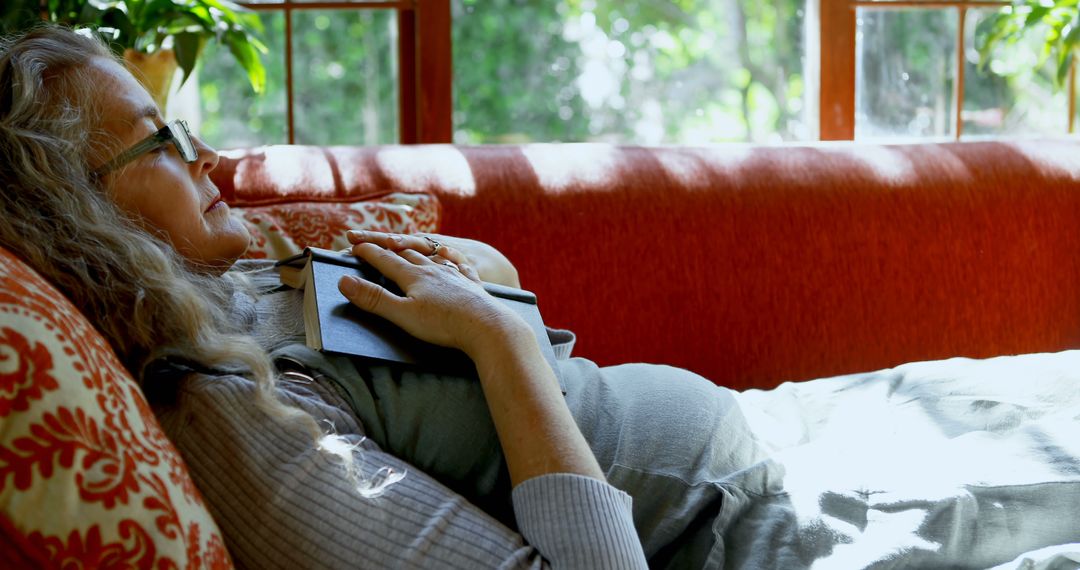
[[131, 284]]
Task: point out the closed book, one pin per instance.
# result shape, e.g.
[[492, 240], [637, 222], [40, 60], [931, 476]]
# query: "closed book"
[[333, 324]]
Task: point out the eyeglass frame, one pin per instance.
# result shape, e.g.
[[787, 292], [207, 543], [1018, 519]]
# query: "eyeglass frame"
[[175, 131]]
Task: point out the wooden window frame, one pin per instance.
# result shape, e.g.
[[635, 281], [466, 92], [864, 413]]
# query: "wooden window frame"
[[425, 62], [836, 41]]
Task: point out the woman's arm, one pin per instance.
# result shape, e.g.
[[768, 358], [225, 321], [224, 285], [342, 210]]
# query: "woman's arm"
[[556, 478], [537, 432], [445, 307]]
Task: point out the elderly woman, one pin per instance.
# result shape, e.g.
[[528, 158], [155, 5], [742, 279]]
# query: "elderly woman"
[[311, 460]]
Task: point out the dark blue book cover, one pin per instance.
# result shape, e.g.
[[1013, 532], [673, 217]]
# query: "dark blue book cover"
[[343, 328]]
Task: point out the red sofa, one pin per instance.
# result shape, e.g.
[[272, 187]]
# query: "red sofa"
[[749, 265]]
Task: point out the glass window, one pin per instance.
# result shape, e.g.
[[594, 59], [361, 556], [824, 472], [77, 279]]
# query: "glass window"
[[229, 113], [345, 84], [345, 76], [905, 70], [1012, 94], [630, 71]]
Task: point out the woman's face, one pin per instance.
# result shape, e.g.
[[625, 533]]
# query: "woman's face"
[[170, 197]]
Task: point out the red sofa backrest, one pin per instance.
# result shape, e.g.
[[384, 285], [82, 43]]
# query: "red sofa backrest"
[[750, 265]]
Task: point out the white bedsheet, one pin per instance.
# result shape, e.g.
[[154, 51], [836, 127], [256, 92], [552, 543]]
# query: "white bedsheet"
[[958, 463]]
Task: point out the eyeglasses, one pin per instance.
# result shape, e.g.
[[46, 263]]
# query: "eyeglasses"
[[176, 132]]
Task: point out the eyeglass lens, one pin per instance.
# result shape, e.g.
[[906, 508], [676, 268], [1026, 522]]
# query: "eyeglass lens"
[[181, 136]]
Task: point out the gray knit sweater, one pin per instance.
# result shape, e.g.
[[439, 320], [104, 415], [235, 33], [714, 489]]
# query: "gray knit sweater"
[[281, 503]]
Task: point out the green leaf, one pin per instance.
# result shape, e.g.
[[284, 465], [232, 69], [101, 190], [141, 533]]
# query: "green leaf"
[[155, 13], [1073, 37], [188, 23], [89, 14], [989, 33], [1064, 64], [252, 22], [248, 57], [235, 14], [187, 47], [104, 5], [118, 19], [135, 9], [1038, 12], [258, 45]]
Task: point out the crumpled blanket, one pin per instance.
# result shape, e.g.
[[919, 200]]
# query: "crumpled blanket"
[[958, 463]]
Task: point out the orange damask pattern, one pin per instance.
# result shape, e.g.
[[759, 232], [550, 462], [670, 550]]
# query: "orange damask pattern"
[[87, 477], [281, 230]]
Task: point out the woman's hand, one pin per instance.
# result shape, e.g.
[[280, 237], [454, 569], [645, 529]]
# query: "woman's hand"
[[444, 302], [490, 264]]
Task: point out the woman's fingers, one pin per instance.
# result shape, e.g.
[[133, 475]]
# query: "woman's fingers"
[[452, 254], [415, 257], [382, 239], [370, 297], [395, 266], [460, 266], [395, 242], [416, 250], [469, 271], [416, 242]]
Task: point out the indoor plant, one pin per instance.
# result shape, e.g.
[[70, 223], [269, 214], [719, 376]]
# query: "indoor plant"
[[1057, 20], [155, 36]]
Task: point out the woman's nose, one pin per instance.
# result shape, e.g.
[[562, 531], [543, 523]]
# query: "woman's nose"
[[208, 156]]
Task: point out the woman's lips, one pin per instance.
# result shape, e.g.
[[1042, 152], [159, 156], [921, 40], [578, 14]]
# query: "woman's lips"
[[217, 202]]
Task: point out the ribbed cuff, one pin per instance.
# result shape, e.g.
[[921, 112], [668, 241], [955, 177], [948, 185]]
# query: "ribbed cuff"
[[578, 522], [562, 342]]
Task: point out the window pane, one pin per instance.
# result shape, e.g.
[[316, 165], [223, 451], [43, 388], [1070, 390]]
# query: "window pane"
[[394, 3], [1012, 94], [905, 68], [345, 76], [635, 71], [344, 83], [232, 114]]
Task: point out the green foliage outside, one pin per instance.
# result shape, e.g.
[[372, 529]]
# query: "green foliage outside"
[[646, 71], [641, 71], [345, 83], [1056, 23], [907, 73]]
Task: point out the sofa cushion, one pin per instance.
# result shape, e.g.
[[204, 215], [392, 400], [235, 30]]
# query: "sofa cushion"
[[281, 230], [87, 477]]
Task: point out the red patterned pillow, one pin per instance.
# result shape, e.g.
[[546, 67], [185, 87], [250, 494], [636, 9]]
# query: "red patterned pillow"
[[87, 478], [281, 230]]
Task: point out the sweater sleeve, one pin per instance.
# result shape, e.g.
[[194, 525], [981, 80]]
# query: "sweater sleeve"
[[281, 503], [579, 504], [562, 342]]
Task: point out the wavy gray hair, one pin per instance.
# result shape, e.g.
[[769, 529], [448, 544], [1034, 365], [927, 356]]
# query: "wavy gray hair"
[[132, 285]]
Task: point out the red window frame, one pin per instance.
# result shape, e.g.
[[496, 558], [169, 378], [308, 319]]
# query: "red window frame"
[[837, 61], [425, 62], [425, 59]]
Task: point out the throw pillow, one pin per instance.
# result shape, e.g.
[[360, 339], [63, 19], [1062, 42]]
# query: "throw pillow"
[[281, 230], [87, 477]]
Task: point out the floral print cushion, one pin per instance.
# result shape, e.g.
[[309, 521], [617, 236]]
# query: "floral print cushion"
[[280, 230], [87, 477]]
